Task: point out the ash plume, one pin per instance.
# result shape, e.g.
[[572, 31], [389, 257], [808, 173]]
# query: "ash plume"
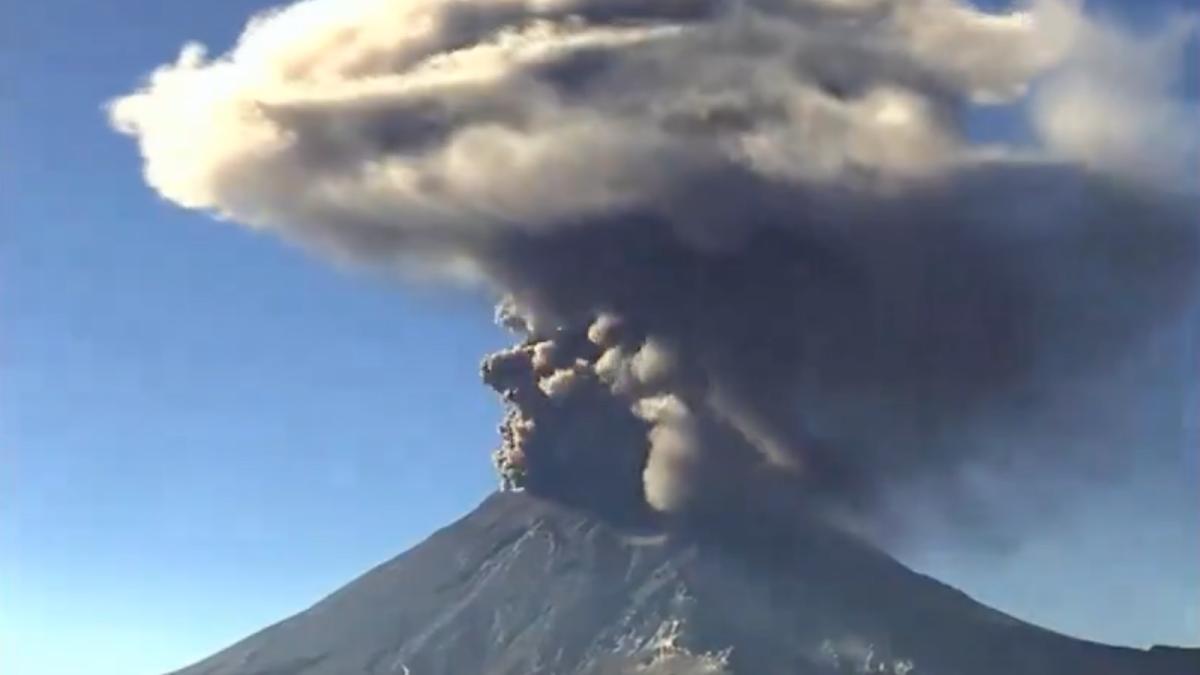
[[752, 256]]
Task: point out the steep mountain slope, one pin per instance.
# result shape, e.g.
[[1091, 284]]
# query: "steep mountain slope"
[[523, 586]]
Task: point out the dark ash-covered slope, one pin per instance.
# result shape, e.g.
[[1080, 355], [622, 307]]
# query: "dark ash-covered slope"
[[524, 586]]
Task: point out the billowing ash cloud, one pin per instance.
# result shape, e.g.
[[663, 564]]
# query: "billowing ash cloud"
[[751, 253]]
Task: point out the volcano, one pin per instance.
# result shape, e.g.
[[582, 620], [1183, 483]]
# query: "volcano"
[[526, 586]]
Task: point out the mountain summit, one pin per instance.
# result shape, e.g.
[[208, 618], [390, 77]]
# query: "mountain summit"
[[525, 586]]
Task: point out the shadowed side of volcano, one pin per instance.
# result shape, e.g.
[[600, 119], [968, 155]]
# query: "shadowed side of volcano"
[[524, 586]]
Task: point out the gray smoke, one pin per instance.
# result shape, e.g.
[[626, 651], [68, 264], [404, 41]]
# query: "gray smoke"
[[751, 256]]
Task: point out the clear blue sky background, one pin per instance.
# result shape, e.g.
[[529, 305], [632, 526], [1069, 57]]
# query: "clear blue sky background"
[[203, 430]]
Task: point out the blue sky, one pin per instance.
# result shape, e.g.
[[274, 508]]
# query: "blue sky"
[[204, 430]]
